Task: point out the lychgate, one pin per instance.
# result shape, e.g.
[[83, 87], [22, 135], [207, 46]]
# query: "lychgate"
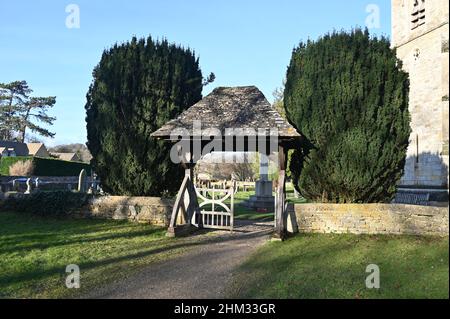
[[230, 119]]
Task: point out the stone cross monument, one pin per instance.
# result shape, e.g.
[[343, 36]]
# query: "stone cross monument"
[[263, 199]]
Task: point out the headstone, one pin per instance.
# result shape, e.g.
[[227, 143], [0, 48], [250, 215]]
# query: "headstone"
[[29, 187], [82, 181]]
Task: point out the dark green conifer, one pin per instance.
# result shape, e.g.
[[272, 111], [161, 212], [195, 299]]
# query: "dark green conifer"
[[346, 93], [137, 87]]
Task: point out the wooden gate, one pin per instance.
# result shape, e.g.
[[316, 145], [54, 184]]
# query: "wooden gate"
[[214, 211]]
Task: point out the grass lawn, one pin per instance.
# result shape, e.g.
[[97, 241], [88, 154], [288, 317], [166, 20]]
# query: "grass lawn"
[[35, 251], [333, 266], [242, 212]]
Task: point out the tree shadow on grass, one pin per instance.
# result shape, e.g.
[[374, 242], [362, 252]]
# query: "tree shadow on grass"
[[171, 245], [26, 223], [337, 269], [43, 240]]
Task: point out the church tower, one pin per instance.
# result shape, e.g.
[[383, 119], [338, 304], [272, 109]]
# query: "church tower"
[[420, 34]]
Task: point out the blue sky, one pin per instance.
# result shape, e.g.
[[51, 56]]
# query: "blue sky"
[[242, 42]]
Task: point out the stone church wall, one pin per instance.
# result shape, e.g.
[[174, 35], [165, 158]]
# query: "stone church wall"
[[424, 52]]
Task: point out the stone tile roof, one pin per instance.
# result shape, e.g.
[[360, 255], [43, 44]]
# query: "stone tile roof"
[[231, 107], [67, 156], [33, 148], [25, 149]]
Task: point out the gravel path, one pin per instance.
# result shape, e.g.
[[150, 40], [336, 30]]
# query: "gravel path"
[[201, 272]]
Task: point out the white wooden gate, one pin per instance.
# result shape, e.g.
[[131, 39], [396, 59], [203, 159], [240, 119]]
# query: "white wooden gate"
[[214, 212]]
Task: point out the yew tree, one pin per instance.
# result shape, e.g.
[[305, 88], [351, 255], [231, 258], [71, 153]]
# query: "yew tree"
[[347, 95], [136, 88]]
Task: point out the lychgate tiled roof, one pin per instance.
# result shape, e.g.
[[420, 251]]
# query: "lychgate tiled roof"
[[231, 107]]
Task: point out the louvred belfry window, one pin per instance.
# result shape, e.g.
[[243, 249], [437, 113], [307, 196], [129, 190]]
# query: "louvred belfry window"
[[418, 14]]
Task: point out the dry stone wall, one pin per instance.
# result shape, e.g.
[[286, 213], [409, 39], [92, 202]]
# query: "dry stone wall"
[[372, 219], [152, 210]]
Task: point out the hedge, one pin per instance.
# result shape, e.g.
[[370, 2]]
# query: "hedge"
[[56, 167], [46, 166], [54, 203], [6, 162]]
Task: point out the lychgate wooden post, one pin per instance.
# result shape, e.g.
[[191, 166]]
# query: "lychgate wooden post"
[[280, 203], [186, 203]]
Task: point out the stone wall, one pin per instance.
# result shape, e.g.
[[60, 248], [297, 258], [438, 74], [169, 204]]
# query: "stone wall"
[[152, 210], [424, 52], [372, 219]]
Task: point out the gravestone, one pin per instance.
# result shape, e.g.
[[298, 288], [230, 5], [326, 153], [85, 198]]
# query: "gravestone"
[[29, 186], [82, 181]]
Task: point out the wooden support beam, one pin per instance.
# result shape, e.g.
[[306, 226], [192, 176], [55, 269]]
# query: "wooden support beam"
[[282, 157], [186, 192], [280, 207], [183, 217], [194, 207], [177, 206]]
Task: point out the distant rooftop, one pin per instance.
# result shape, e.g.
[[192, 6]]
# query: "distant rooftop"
[[231, 107], [21, 149], [67, 156], [33, 148], [25, 149]]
